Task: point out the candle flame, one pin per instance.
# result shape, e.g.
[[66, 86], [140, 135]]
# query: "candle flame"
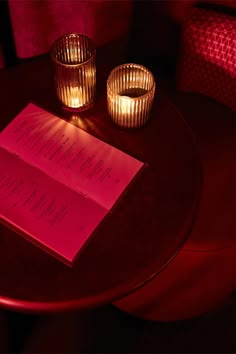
[[126, 104], [75, 98]]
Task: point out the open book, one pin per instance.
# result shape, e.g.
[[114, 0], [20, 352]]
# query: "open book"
[[58, 182]]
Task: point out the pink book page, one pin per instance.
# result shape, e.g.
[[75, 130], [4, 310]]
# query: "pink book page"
[[70, 155], [47, 211]]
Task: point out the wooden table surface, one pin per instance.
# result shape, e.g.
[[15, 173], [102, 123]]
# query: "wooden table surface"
[[145, 230]]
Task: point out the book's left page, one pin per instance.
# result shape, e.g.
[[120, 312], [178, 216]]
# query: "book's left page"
[[46, 212]]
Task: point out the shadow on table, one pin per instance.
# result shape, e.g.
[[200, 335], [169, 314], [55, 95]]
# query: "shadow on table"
[[107, 330]]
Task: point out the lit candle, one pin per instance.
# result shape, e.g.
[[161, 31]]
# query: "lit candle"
[[130, 93], [74, 97], [73, 56], [126, 105], [71, 96]]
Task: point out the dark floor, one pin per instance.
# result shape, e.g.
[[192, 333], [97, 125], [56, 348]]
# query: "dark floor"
[[107, 330]]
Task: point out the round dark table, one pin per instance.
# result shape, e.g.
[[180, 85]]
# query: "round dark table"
[[142, 234]]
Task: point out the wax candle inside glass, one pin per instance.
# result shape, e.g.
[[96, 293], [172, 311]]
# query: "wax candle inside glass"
[[73, 57], [130, 94]]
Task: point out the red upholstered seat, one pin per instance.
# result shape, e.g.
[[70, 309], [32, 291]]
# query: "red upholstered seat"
[[207, 62], [37, 24]]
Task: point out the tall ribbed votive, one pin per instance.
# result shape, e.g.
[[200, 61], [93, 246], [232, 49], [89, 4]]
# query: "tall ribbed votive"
[[74, 63], [130, 94]]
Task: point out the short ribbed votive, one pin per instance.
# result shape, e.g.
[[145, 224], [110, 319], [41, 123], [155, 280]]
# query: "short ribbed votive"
[[130, 94], [74, 63]]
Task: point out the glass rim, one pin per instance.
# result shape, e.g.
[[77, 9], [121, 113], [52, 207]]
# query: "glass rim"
[[73, 34], [140, 66]]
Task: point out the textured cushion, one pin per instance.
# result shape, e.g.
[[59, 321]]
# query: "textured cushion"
[[207, 61]]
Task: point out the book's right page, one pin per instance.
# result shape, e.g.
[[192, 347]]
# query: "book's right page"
[[70, 155]]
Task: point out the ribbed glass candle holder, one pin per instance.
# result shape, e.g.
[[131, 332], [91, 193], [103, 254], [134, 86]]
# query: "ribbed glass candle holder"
[[130, 94], [74, 64]]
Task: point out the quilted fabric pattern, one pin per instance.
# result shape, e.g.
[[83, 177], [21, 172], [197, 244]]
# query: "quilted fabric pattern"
[[207, 62]]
